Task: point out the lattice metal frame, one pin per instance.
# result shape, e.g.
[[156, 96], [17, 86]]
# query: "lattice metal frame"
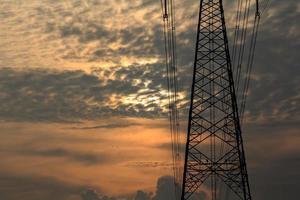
[[214, 151]]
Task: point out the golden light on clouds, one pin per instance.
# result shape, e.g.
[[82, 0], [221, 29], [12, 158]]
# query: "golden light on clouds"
[[67, 34]]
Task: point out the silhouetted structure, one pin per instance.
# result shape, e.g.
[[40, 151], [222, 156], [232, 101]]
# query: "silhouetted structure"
[[214, 156]]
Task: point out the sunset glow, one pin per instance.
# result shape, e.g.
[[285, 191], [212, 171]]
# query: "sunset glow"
[[84, 99]]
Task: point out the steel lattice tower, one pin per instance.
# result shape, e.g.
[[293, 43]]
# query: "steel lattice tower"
[[214, 157]]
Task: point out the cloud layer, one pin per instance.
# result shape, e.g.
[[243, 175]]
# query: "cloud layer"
[[121, 55], [76, 60], [46, 95]]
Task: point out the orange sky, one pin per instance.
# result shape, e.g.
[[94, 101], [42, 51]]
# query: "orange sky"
[[102, 158]]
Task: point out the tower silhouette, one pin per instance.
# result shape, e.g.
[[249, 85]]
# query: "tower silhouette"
[[214, 156]]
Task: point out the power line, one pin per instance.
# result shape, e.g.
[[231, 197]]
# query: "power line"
[[169, 19]]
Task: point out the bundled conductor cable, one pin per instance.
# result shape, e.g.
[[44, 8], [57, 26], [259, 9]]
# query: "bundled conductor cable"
[[168, 13], [243, 49]]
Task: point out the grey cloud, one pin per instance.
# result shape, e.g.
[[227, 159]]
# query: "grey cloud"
[[272, 152], [278, 171], [141, 195], [143, 42], [40, 95], [14, 187], [37, 187], [86, 33], [68, 30], [275, 85], [139, 40], [168, 146], [274, 94], [280, 185], [93, 195], [81, 157], [46, 95], [164, 191], [108, 126]]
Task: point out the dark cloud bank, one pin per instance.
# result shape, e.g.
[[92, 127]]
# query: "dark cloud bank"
[[15, 187], [37, 188], [60, 96], [45, 95], [86, 158]]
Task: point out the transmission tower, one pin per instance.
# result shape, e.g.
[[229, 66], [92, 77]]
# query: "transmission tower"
[[214, 157]]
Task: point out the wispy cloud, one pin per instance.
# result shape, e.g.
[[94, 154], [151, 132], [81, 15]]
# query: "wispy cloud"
[[106, 126], [81, 157]]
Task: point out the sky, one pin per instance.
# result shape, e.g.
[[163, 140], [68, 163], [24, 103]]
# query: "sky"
[[83, 99]]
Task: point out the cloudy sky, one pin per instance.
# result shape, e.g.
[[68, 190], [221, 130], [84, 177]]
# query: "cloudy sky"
[[83, 99]]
